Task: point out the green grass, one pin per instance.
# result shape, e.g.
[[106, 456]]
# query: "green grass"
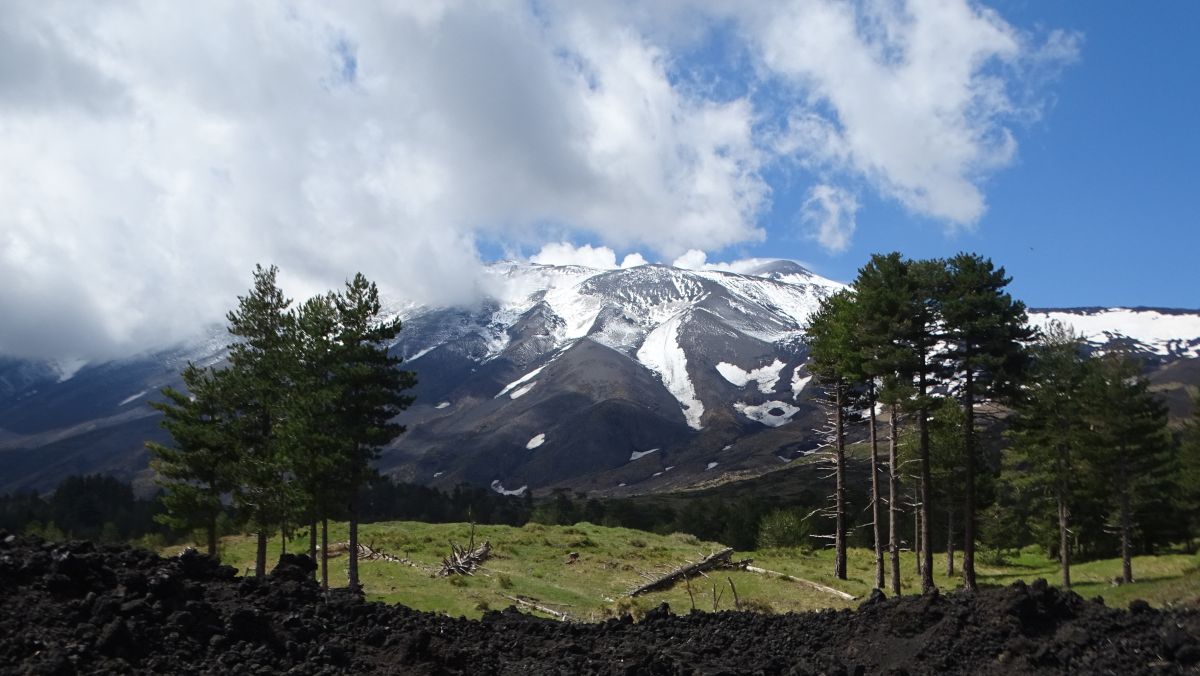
[[530, 562]]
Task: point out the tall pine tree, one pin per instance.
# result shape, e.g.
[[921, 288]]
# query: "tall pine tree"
[[832, 359], [261, 377], [1129, 446], [197, 471], [372, 387], [983, 330]]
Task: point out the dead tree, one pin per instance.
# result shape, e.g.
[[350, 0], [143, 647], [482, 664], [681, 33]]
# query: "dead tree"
[[722, 560]]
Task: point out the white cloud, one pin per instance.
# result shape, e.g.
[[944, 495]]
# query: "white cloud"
[[914, 96], [829, 212], [565, 253], [154, 152], [692, 259], [633, 260]]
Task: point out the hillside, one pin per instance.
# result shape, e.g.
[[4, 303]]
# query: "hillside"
[[612, 382]]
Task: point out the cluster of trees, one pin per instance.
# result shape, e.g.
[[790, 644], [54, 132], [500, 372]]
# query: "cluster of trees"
[[287, 429], [90, 507], [944, 350]]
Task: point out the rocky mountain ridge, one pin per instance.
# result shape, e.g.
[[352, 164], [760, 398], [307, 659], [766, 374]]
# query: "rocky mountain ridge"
[[629, 380]]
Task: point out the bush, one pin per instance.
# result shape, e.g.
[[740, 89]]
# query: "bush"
[[783, 529]]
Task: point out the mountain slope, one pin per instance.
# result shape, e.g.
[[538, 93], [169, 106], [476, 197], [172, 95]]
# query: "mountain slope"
[[633, 380]]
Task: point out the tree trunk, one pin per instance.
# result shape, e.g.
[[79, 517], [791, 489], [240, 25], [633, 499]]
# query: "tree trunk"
[[283, 541], [917, 536], [876, 517], [1064, 544], [1064, 513], [839, 565], [893, 512], [260, 556], [968, 567], [325, 554], [927, 585], [212, 536], [1126, 534], [312, 540], [352, 562], [950, 542]]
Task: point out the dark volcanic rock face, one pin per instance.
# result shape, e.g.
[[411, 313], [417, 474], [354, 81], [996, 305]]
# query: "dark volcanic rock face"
[[77, 608]]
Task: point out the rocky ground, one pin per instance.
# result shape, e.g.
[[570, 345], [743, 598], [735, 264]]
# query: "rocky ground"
[[76, 607]]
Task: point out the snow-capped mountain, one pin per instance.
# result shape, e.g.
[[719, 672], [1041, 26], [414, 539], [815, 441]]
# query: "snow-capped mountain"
[[639, 379]]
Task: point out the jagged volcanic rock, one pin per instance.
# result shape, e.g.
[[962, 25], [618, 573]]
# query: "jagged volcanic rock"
[[75, 607]]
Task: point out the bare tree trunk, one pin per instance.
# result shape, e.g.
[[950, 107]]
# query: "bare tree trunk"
[[917, 536], [1064, 543], [325, 554], [893, 512], [876, 517], [926, 496], [260, 556], [1064, 513], [950, 542], [969, 511], [839, 565], [352, 562], [1126, 536], [283, 540], [212, 536], [312, 540]]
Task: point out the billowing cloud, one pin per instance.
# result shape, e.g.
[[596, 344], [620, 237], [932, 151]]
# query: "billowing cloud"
[[913, 96], [154, 152], [565, 253], [829, 214]]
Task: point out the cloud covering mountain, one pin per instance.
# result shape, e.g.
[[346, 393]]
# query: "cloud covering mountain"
[[154, 152]]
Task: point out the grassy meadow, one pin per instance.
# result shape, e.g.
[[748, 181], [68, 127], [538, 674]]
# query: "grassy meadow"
[[531, 563]]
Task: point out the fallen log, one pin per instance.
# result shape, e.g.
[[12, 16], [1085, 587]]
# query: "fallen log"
[[464, 561], [716, 561], [799, 580], [556, 614]]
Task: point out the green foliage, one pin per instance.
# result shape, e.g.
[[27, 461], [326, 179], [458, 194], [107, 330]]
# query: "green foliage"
[[783, 528], [290, 427]]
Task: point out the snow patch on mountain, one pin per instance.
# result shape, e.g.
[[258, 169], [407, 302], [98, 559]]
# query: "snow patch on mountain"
[[771, 413], [536, 441], [766, 376], [67, 368], [641, 454], [799, 382], [499, 488], [661, 353], [133, 397], [1162, 333], [442, 405], [521, 381]]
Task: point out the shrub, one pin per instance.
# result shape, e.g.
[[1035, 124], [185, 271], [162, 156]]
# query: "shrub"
[[783, 528]]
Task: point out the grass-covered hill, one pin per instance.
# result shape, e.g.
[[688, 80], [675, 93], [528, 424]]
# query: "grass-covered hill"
[[531, 563]]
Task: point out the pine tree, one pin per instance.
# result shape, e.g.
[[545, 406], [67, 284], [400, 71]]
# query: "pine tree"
[[885, 297], [260, 376], [1129, 446], [315, 449], [1188, 476], [196, 472], [1049, 429], [983, 330], [832, 356], [372, 390]]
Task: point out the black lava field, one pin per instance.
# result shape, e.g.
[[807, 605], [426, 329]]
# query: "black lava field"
[[76, 607]]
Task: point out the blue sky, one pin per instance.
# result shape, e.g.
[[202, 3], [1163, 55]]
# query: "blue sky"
[[152, 153], [1100, 205]]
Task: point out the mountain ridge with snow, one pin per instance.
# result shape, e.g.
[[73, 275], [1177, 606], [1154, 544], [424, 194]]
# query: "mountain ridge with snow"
[[636, 379]]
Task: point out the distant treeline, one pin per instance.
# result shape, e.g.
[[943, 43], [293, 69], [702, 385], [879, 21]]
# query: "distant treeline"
[[104, 509]]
